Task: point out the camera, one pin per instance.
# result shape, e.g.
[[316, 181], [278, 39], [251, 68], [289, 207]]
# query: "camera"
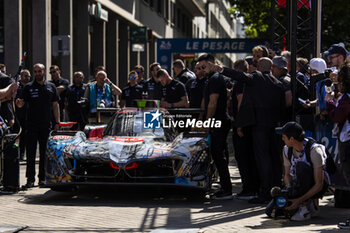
[[334, 70], [319, 77], [329, 86], [101, 104], [277, 205]]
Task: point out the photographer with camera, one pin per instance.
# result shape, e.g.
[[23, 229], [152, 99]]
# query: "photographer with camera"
[[336, 56], [304, 171], [99, 93]]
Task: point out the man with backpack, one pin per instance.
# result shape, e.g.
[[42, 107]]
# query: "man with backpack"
[[305, 174]]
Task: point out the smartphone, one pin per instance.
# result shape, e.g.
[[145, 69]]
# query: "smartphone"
[[303, 101]]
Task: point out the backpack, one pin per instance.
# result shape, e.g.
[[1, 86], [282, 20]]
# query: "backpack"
[[330, 167]]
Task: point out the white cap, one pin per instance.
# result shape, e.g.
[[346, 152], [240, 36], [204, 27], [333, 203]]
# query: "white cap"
[[318, 64]]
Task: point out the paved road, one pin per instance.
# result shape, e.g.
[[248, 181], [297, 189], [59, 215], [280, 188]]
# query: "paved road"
[[146, 210]]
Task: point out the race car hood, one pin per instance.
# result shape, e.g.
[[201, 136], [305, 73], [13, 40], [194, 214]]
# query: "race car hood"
[[123, 149]]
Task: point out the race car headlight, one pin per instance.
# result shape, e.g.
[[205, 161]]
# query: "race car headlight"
[[114, 165], [131, 166]]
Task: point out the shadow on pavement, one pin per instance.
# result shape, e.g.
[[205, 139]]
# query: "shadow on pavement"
[[182, 207], [185, 209]]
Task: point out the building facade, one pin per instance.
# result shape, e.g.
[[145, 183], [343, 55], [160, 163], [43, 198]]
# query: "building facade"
[[79, 35]]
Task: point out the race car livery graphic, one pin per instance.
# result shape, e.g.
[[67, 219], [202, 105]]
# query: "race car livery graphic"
[[125, 152]]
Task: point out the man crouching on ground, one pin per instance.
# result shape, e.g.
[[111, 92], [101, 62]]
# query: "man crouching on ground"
[[304, 171]]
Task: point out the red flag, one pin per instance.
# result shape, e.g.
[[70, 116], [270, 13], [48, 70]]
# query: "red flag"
[[300, 4]]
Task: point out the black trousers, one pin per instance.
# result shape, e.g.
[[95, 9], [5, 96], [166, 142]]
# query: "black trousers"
[[218, 145], [80, 118], [267, 154], [304, 181], [246, 164], [33, 137], [344, 154], [22, 137]]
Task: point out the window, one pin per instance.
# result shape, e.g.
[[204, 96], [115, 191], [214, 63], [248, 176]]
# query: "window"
[[166, 15], [173, 13], [160, 7], [178, 18]]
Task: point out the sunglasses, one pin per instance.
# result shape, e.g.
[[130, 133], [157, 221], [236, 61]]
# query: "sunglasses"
[[201, 67], [132, 77], [52, 72]]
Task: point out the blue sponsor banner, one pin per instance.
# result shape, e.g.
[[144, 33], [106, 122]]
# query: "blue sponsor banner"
[[165, 47], [323, 134]]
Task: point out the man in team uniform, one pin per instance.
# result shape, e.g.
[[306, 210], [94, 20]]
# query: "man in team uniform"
[[174, 92], [132, 91]]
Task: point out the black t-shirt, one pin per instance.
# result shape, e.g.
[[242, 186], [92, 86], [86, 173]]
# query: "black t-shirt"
[[61, 82], [6, 108], [4, 80], [287, 86], [39, 99], [153, 89], [74, 94], [130, 93], [173, 92], [142, 83], [217, 85], [195, 90], [286, 81], [238, 88], [185, 76]]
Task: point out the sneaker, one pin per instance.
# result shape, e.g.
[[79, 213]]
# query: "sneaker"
[[302, 214], [313, 208], [7, 191], [29, 184], [221, 195], [246, 195], [344, 225], [259, 200], [41, 183]]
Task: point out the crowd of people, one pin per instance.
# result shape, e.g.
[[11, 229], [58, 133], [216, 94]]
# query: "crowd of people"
[[253, 99]]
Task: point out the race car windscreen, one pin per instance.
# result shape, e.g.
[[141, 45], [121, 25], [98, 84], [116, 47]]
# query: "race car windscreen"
[[131, 124]]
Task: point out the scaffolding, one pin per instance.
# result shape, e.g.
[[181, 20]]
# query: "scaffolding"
[[295, 26]]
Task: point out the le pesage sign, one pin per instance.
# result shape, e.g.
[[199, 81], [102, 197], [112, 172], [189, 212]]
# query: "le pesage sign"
[[166, 47]]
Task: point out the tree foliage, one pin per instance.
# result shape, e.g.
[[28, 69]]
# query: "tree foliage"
[[335, 23], [257, 19], [256, 16]]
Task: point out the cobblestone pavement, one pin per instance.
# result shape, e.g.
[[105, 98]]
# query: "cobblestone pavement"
[[146, 210]]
